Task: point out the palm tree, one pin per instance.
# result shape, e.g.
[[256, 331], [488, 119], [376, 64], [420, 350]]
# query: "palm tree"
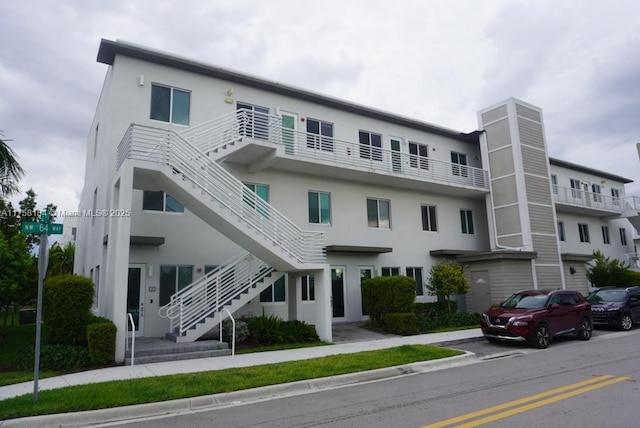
[[10, 170]]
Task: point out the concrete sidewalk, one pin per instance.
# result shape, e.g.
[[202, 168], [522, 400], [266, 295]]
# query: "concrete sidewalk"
[[88, 418]]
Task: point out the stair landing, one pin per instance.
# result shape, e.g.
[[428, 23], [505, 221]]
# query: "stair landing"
[[148, 350]]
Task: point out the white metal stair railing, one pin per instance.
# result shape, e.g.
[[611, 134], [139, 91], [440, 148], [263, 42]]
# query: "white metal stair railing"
[[166, 147], [211, 293], [212, 135]]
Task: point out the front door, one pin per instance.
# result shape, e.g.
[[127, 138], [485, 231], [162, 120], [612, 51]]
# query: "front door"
[[396, 156], [289, 121], [135, 298], [337, 293], [480, 290]]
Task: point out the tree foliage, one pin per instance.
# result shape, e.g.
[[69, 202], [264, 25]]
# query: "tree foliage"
[[10, 170], [603, 271], [61, 259], [446, 279]]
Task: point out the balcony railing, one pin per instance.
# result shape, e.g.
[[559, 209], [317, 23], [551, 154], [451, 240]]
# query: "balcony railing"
[[211, 135], [582, 198]]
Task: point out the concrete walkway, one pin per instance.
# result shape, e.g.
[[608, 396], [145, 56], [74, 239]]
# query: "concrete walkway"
[[352, 339]]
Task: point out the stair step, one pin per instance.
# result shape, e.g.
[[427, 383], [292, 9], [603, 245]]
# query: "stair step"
[[140, 359]]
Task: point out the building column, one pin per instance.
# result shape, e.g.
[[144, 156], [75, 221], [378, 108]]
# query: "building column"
[[322, 280], [117, 274]]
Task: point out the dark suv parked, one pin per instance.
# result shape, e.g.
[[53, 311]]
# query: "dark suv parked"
[[538, 316], [619, 307]]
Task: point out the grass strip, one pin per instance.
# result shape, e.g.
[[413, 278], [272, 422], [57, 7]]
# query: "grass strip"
[[162, 388]]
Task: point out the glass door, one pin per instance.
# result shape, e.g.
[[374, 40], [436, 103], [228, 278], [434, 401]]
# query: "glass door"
[[135, 298], [337, 293]]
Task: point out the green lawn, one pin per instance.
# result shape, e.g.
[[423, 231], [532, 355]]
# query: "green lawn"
[[154, 389]]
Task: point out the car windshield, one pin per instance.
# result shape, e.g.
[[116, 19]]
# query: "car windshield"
[[608, 296], [532, 302], [512, 301]]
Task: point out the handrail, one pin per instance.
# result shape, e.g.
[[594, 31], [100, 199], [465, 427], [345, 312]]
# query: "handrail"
[[166, 147], [583, 198], [133, 338], [233, 331]]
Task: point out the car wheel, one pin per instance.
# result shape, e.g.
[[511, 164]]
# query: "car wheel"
[[541, 336], [626, 323], [586, 329]]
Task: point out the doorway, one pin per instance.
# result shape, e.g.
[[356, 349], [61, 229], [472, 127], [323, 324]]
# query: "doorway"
[[337, 293], [289, 121], [480, 290], [135, 298]]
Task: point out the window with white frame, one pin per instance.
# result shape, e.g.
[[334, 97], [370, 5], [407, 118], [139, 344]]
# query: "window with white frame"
[[389, 271], [275, 293], [319, 207], [418, 155], [583, 232], [623, 236], [319, 135], [561, 236], [160, 201], [170, 104], [255, 195], [554, 184], [459, 167], [605, 235], [466, 222], [416, 273], [370, 145], [173, 279], [429, 222], [379, 213], [615, 196], [254, 121], [576, 193], [596, 190], [308, 288]]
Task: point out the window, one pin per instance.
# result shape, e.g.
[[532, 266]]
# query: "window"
[[418, 155], [554, 183], [275, 293], [94, 206], [170, 104], [390, 271], [379, 213], [95, 141], [416, 273], [575, 189], [596, 190], [605, 235], [459, 167], [370, 145], [319, 135], [254, 121], [466, 221], [583, 230], [308, 288], [623, 236], [172, 280], [561, 231], [160, 201], [319, 208], [429, 218], [253, 195], [615, 196]]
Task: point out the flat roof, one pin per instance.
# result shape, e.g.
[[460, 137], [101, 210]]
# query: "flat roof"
[[582, 168], [109, 49]]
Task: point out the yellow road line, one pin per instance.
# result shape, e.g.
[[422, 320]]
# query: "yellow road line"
[[600, 381]]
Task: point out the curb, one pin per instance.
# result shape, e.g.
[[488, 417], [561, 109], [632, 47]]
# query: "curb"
[[210, 402]]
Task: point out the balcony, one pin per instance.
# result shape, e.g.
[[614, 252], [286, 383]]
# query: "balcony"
[[578, 201], [261, 142]]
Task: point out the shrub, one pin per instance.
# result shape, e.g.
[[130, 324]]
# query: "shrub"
[[60, 358], [388, 294], [66, 309], [242, 330], [401, 323], [101, 341], [270, 330], [434, 309], [429, 323]]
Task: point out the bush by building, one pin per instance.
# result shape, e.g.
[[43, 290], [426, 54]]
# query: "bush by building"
[[66, 309]]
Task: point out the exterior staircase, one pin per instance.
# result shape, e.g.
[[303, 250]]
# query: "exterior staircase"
[[167, 160], [157, 350]]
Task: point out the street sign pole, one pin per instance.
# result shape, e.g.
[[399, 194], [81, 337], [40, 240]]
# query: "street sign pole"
[[42, 270]]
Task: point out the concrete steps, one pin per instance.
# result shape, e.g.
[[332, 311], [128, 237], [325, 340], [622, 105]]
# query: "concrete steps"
[[159, 350]]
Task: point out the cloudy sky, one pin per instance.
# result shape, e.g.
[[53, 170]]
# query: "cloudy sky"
[[439, 61]]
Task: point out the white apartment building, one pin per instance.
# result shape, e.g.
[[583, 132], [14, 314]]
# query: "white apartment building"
[[209, 190]]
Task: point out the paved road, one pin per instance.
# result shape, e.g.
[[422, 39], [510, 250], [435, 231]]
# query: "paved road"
[[563, 373]]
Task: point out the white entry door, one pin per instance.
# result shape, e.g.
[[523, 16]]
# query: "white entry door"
[[135, 298]]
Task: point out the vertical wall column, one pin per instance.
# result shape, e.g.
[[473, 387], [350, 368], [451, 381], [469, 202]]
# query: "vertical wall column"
[[117, 274], [322, 280]]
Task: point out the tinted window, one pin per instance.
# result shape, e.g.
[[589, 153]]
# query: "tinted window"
[[532, 302], [608, 296]]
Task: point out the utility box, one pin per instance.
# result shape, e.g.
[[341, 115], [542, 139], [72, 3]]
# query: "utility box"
[[27, 316]]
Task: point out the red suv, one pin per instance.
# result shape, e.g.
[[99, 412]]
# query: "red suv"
[[538, 316]]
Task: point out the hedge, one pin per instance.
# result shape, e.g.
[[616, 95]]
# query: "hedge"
[[388, 294], [66, 308], [401, 323], [101, 341]]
